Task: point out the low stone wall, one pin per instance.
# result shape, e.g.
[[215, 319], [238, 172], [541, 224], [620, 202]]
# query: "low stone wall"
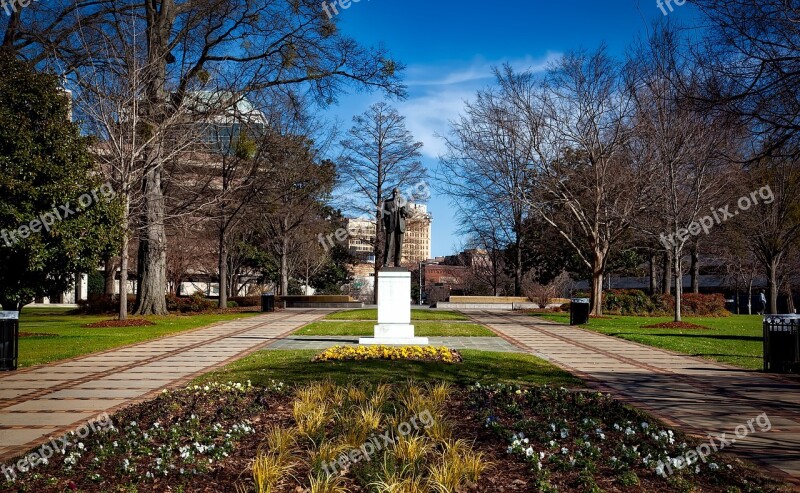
[[488, 300], [350, 305], [444, 305]]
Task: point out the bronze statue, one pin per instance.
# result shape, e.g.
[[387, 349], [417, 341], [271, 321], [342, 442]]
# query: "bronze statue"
[[394, 214]]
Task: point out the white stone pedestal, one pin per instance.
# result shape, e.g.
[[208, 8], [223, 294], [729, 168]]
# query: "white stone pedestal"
[[394, 311]]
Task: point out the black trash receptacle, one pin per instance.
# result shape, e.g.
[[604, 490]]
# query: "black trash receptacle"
[[579, 311], [782, 343], [9, 340], [267, 302]]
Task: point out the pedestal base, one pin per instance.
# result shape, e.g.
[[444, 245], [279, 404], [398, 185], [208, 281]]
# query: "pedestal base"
[[394, 311], [393, 341]]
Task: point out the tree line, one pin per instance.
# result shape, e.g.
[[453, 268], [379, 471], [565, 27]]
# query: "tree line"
[[600, 159]]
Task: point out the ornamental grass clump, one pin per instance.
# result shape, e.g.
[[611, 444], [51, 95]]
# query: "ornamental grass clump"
[[410, 353]]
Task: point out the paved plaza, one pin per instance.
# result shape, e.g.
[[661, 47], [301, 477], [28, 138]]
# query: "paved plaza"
[[693, 394], [699, 396], [50, 400]]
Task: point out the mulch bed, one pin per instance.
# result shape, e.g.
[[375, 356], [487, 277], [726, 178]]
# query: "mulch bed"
[[676, 325], [213, 411], [34, 334], [131, 322]]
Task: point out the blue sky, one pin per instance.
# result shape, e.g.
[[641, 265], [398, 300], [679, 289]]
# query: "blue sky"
[[450, 47]]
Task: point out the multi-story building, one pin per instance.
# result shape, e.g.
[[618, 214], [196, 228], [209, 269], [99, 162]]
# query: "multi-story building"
[[417, 241]]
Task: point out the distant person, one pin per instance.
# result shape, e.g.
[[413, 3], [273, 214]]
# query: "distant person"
[[762, 299]]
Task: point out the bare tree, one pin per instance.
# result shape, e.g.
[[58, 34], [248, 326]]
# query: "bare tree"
[[688, 148], [380, 154], [484, 170], [186, 44], [582, 178]]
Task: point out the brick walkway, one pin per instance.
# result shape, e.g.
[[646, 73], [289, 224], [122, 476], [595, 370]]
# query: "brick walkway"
[[497, 344], [50, 400], [698, 396]]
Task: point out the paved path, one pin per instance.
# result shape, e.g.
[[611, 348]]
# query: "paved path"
[[699, 396], [497, 344], [50, 400]]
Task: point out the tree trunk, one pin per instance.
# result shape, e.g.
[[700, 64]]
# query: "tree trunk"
[[518, 267], [123, 261], [151, 300], [695, 269], [772, 274], [109, 276], [78, 294], [154, 266], [285, 267], [223, 271], [653, 274], [598, 271], [378, 248], [677, 269], [750, 298], [667, 280]]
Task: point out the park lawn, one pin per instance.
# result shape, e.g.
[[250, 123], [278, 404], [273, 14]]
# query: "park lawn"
[[736, 340], [295, 367], [421, 329], [416, 314], [60, 335]]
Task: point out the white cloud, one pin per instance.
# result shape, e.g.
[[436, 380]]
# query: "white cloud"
[[437, 94]]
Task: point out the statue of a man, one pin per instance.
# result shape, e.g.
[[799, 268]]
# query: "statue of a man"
[[394, 225]]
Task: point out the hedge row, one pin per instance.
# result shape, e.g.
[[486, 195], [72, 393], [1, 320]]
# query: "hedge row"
[[104, 303], [637, 302]]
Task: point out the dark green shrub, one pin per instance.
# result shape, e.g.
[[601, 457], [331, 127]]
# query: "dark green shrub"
[[233, 304], [246, 300]]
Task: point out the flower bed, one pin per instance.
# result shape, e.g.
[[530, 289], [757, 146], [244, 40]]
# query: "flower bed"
[[578, 441], [413, 353]]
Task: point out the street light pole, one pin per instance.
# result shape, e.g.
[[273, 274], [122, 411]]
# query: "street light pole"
[[420, 284]]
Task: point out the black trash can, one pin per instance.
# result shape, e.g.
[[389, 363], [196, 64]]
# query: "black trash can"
[[782, 343], [267, 302], [9, 340], [579, 311]]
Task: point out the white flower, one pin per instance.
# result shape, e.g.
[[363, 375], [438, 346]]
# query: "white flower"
[[564, 433], [645, 426], [564, 450], [529, 451], [713, 466]]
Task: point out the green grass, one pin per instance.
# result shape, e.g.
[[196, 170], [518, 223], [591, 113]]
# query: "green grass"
[[736, 340], [62, 336], [421, 329], [294, 367], [372, 314]]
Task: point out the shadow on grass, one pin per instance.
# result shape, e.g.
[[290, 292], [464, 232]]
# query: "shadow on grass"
[[294, 367], [696, 336]]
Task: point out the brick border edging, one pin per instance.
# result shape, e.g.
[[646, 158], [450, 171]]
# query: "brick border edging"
[[28, 369], [20, 450], [597, 384], [699, 359]]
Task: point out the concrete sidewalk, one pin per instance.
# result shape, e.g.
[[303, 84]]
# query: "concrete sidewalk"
[[696, 395], [497, 344], [49, 400]]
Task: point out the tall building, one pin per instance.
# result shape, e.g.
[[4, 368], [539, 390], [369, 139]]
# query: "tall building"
[[417, 242]]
